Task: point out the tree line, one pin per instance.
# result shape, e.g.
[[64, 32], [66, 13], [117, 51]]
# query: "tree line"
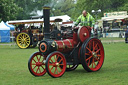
[[23, 9]]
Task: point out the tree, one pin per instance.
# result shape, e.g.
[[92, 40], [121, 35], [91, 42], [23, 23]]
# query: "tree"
[[30, 7], [8, 10], [63, 7], [124, 7], [117, 4], [90, 5]]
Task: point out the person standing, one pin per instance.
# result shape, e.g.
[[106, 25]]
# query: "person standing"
[[96, 27], [85, 19]]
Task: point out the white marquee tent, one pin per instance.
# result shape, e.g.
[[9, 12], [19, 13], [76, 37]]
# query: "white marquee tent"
[[4, 33]]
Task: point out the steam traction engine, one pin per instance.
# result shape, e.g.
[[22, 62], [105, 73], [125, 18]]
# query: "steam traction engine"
[[57, 56]]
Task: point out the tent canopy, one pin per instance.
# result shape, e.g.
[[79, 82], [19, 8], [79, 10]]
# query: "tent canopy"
[[12, 27], [4, 33], [3, 26], [65, 18]]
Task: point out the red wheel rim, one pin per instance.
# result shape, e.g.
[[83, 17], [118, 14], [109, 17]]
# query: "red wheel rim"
[[37, 64], [56, 64], [94, 54]]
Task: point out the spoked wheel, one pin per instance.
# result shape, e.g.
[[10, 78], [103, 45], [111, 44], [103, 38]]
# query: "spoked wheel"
[[92, 54], [36, 64], [55, 64], [23, 40], [71, 67]]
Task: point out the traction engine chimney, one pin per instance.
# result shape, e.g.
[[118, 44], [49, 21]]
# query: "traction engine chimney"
[[46, 14]]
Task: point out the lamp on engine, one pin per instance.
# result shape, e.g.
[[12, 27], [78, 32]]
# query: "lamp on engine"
[[56, 56]]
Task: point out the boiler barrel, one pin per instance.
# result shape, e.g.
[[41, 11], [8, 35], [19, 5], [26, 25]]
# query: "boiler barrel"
[[49, 46], [65, 45]]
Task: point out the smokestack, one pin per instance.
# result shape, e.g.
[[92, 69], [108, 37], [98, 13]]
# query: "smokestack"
[[46, 14]]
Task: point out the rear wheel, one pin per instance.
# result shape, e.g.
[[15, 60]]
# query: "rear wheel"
[[55, 64], [36, 64], [92, 54], [23, 40]]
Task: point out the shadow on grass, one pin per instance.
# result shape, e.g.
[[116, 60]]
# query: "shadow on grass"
[[120, 67]]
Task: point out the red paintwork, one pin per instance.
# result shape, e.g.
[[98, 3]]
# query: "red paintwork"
[[94, 46], [65, 45], [75, 38], [70, 22], [36, 66], [81, 33], [56, 66]]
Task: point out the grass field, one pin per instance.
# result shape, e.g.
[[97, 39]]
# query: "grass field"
[[14, 68], [112, 38]]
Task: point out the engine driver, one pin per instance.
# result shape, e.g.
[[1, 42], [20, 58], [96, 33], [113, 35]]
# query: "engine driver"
[[85, 19]]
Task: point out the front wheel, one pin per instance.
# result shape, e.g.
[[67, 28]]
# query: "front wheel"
[[92, 54], [55, 64], [36, 64]]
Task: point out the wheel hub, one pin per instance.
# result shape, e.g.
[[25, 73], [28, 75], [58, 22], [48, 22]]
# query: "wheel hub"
[[56, 65], [94, 54], [23, 40], [38, 63]]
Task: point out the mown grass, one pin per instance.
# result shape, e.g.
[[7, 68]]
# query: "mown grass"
[[112, 38], [14, 68]]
